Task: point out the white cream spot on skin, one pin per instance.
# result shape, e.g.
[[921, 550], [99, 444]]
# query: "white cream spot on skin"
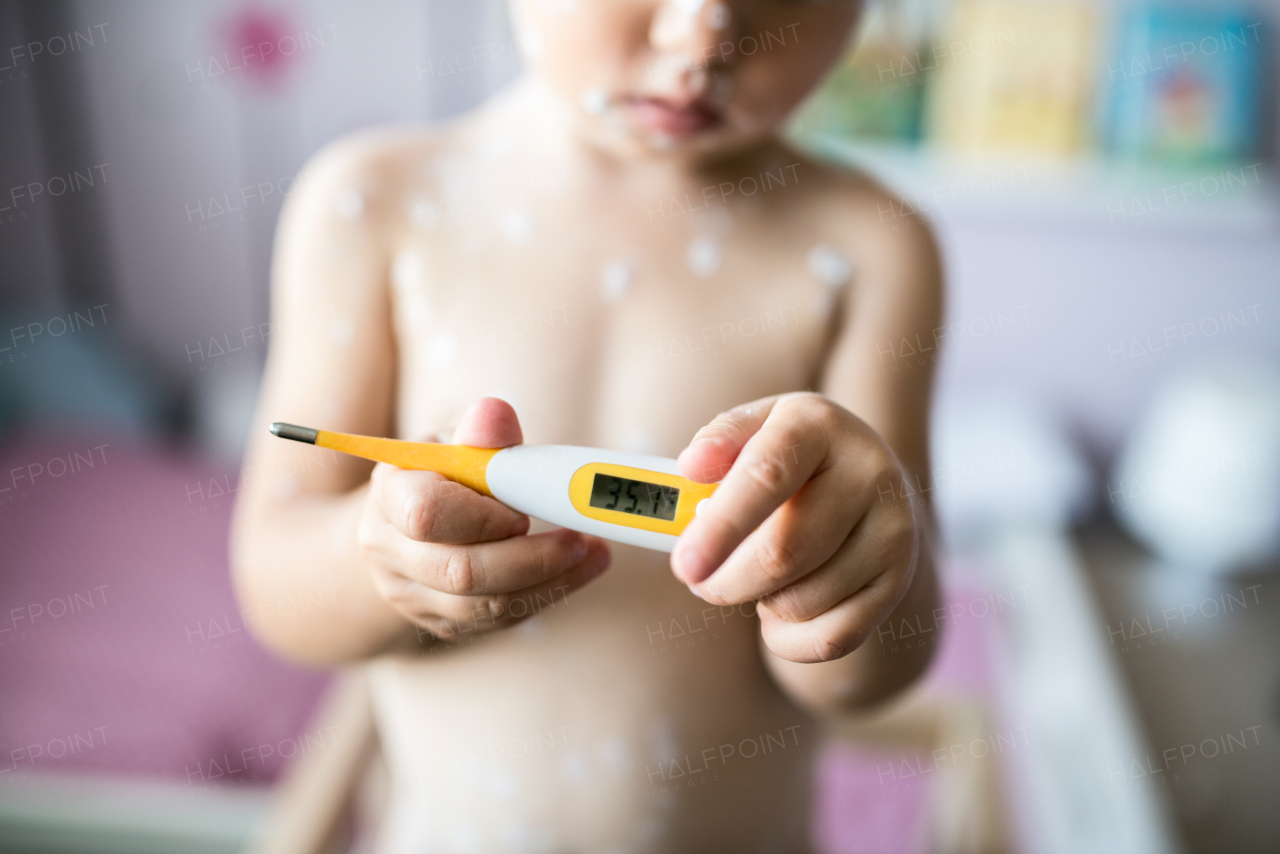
[[615, 281], [516, 226], [406, 271], [697, 79], [689, 7], [350, 203], [342, 331], [495, 145], [718, 16], [594, 101], [531, 44], [424, 214], [530, 628], [830, 265], [442, 352], [340, 537], [704, 256]]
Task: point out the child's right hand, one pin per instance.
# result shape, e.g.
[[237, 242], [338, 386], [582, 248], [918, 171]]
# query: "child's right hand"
[[453, 561]]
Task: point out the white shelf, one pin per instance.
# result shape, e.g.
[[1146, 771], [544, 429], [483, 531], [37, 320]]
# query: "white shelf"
[[1095, 192]]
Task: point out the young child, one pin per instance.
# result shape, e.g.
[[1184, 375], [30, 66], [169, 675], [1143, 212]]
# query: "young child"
[[610, 253]]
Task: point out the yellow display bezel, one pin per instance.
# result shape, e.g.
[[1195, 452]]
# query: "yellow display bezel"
[[690, 494]]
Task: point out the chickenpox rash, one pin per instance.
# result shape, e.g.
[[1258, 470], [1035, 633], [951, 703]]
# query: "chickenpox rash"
[[350, 203], [516, 226], [704, 256], [615, 281], [829, 265], [406, 271], [443, 351]]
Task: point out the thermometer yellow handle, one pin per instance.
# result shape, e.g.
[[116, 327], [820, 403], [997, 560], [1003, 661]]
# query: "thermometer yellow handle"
[[585, 489], [460, 463]]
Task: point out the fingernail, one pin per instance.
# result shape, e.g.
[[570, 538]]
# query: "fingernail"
[[695, 592], [579, 550], [693, 566]]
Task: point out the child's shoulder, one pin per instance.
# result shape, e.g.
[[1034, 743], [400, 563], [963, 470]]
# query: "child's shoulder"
[[856, 210], [382, 166]]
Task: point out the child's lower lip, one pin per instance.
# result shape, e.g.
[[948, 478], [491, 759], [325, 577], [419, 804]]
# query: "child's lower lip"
[[665, 117]]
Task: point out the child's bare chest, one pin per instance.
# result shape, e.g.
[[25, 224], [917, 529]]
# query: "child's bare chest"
[[629, 338]]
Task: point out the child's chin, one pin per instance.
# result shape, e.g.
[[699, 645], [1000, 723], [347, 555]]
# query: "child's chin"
[[721, 140]]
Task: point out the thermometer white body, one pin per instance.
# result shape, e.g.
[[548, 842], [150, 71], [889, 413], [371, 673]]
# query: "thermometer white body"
[[574, 487]]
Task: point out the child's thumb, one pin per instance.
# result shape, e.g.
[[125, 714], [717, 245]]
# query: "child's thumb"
[[489, 423]]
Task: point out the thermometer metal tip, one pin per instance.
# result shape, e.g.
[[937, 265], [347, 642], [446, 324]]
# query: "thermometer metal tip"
[[294, 432]]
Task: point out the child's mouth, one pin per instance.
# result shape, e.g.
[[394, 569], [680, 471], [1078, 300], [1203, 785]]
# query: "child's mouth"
[[673, 118]]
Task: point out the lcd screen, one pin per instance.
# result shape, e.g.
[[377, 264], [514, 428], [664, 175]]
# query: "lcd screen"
[[634, 496]]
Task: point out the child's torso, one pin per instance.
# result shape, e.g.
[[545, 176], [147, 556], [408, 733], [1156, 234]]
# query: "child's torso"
[[631, 714]]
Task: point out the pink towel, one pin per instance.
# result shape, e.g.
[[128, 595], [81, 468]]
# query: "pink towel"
[[122, 648]]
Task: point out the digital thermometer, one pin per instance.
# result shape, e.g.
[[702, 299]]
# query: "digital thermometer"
[[630, 498]]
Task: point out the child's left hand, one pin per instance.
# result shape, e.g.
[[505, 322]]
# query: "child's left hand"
[[835, 549]]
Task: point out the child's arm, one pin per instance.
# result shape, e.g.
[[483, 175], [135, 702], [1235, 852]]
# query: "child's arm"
[[851, 542], [329, 564]]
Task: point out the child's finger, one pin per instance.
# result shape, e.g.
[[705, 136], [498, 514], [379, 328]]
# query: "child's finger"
[[805, 533], [789, 447], [713, 449], [453, 616], [878, 544], [491, 568], [490, 422], [834, 633], [426, 507]]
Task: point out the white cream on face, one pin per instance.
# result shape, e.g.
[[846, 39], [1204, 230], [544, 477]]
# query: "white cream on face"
[[594, 101], [718, 16]]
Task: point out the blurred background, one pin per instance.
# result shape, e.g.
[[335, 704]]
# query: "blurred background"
[[1101, 177]]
